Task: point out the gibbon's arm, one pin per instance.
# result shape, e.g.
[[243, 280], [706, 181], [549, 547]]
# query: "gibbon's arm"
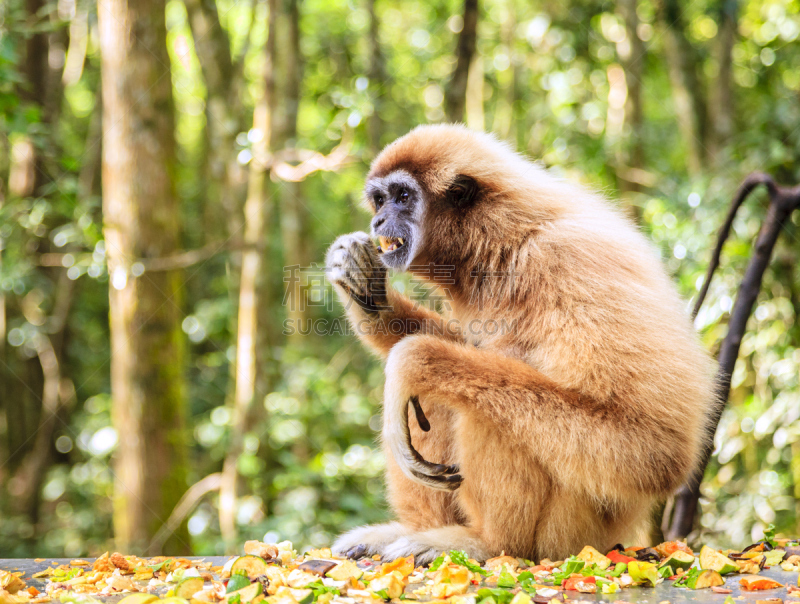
[[401, 317], [610, 448], [380, 316]]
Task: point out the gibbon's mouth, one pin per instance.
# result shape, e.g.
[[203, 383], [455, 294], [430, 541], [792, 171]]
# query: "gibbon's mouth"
[[389, 244]]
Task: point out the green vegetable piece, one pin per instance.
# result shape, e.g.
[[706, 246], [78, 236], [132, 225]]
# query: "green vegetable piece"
[[678, 560], [706, 578], [236, 582], [190, 586], [711, 559], [506, 579], [252, 566]]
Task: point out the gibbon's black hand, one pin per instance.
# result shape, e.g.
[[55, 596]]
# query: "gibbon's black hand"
[[352, 264]]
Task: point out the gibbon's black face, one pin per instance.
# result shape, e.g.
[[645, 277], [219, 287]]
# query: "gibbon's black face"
[[399, 205]]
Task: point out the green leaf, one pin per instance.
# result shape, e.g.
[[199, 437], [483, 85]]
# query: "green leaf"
[[500, 596], [383, 594], [506, 579], [461, 558]]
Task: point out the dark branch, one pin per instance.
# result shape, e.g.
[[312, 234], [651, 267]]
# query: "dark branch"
[[782, 202]]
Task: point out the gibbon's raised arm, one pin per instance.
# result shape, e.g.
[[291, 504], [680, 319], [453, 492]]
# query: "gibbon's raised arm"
[[380, 316], [609, 449]]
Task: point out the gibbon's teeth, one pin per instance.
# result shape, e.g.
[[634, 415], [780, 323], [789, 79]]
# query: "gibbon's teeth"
[[389, 244]]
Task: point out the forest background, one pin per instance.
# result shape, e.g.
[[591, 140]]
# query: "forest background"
[[170, 173]]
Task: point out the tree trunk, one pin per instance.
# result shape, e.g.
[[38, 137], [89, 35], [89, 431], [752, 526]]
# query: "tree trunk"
[[141, 221], [288, 71], [633, 64], [251, 297], [224, 115], [721, 107], [378, 81], [456, 93], [686, 94]]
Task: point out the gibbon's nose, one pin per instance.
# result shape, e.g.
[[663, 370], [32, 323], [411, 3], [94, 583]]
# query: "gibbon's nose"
[[378, 221]]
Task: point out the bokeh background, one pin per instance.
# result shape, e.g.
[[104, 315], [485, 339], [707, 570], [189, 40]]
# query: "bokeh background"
[[263, 117]]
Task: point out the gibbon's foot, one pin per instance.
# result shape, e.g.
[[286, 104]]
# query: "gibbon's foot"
[[369, 540], [425, 546], [396, 433], [352, 264]]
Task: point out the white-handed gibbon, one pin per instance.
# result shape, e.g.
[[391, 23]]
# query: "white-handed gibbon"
[[537, 440]]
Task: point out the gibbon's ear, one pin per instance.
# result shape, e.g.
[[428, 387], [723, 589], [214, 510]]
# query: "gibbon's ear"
[[462, 192]]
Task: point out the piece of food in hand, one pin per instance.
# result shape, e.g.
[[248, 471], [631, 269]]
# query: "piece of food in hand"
[[592, 556], [757, 583], [711, 559]]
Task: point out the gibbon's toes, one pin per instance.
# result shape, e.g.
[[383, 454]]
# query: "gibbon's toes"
[[424, 553], [442, 483], [356, 552]]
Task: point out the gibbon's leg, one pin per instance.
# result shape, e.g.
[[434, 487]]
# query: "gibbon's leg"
[[614, 450], [417, 507], [381, 317]]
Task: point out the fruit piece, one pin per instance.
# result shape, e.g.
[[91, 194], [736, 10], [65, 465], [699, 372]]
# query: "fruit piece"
[[10, 582], [680, 559], [592, 556], [666, 549], [521, 598], [173, 600], [708, 578], [643, 572], [755, 583], [253, 566], [390, 584], [245, 595], [618, 558], [236, 582], [188, 587], [405, 566], [774, 556], [317, 567], [345, 571], [138, 598], [571, 584], [711, 559], [300, 579]]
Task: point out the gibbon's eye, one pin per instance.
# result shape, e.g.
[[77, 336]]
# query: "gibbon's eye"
[[403, 196], [378, 199]]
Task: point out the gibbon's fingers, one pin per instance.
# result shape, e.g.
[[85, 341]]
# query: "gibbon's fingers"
[[421, 419], [412, 464]]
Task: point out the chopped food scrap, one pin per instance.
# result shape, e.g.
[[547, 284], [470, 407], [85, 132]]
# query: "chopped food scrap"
[[274, 573]]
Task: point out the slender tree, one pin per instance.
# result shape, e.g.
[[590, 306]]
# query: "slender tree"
[[456, 93], [140, 214], [686, 93], [251, 288]]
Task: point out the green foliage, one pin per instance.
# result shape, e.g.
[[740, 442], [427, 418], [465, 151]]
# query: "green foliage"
[[310, 467]]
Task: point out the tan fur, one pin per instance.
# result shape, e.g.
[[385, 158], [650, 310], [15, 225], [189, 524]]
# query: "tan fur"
[[568, 429]]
